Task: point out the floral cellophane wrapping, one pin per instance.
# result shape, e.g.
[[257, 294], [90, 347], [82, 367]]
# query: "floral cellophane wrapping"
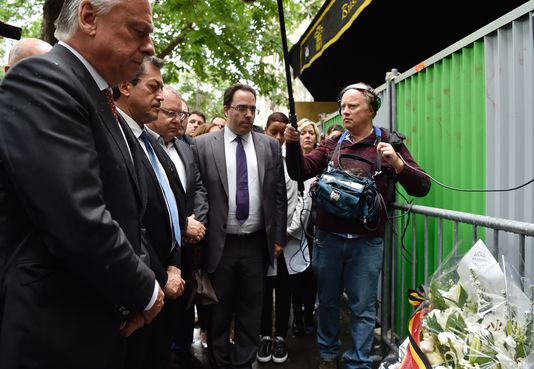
[[479, 316]]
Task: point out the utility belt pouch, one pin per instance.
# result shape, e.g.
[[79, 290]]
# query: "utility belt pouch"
[[345, 195]]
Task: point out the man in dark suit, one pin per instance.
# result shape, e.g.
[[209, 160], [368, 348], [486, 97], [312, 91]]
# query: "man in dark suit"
[[138, 102], [167, 128], [70, 201], [244, 176]]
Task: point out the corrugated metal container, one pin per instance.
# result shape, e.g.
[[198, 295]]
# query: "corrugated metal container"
[[469, 120], [509, 60], [441, 111]]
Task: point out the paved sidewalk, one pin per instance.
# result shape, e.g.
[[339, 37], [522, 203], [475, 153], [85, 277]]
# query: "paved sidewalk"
[[302, 354], [302, 351]]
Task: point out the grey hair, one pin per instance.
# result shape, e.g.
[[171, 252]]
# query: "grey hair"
[[67, 21], [172, 91]]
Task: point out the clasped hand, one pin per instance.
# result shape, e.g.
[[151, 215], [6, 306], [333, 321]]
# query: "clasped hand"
[[175, 284], [138, 320], [195, 231]]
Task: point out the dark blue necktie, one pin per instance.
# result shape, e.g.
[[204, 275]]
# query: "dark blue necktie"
[[241, 199], [167, 192]]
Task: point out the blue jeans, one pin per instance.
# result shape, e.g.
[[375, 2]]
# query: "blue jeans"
[[352, 265]]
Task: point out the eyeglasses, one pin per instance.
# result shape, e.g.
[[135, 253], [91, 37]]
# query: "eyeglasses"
[[172, 114], [244, 108]]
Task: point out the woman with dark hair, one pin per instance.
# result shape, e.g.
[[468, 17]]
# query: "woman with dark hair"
[[334, 131], [277, 278]]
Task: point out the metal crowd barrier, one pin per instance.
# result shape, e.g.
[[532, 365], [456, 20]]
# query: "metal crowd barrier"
[[390, 284]]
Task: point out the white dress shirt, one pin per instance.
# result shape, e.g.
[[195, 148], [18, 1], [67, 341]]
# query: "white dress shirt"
[[170, 149], [178, 163], [254, 222]]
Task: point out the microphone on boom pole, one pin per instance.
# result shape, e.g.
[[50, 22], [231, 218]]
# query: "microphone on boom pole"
[[291, 102]]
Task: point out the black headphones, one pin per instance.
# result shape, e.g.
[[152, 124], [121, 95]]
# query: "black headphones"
[[375, 100]]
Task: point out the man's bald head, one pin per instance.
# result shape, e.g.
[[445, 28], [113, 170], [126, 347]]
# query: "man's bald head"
[[25, 48]]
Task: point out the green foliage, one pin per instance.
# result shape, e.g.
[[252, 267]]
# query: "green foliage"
[[20, 13], [462, 298], [208, 44], [432, 323], [456, 324], [14, 11], [436, 299]]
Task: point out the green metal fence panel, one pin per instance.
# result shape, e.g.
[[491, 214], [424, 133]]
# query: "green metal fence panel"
[[442, 112]]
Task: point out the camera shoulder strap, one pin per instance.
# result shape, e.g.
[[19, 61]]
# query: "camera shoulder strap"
[[337, 151]]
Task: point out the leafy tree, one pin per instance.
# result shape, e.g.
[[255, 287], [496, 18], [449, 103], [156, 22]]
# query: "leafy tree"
[[23, 13], [207, 44], [216, 43]]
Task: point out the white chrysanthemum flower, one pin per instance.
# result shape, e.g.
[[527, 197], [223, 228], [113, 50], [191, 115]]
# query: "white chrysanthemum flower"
[[452, 341], [445, 337], [452, 296], [499, 340], [506, 362], [427, 346], [474, 328], [435, 358], [440, 316], [510, 342], [465, 364]]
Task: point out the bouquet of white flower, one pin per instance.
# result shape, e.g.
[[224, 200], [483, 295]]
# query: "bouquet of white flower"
[[476, 317]]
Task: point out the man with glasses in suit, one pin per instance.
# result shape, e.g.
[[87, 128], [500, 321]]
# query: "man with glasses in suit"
[[243, 173], [166, 128]]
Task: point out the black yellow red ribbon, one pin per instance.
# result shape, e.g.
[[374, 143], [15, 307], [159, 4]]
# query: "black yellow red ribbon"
[[417, 297], [414, 357]]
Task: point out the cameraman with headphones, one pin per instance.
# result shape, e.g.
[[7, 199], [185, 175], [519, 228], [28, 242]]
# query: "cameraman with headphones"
[[347, 253]]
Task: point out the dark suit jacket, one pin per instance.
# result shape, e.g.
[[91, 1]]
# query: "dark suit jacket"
[[196, 196], [208, 150], [196, 199], [156, 221], [185, 139], [70, 196]]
